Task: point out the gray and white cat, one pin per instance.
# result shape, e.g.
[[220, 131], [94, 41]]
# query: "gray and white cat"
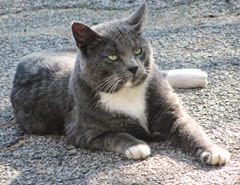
[[109, 96]]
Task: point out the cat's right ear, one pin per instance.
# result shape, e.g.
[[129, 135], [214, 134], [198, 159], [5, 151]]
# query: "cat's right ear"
[[84, 35], [137, 18]]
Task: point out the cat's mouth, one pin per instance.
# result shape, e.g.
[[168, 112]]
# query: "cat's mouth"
[[113, 84], [133, 82]]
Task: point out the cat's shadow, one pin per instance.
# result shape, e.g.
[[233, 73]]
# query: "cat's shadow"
[[169, 153], [55, 156], [47, 154]]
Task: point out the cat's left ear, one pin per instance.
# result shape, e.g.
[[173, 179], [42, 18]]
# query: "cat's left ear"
[[84, 35], [137, 18]]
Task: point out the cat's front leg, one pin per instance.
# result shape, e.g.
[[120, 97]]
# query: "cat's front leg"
[[185, 133], [94, 135], [215, 156], [168, 120], [119, 142], [188, 135], [123, 143], [139, 151]]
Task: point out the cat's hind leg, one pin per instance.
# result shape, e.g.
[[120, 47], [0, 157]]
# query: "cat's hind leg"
[[186, 78], [38, 95]]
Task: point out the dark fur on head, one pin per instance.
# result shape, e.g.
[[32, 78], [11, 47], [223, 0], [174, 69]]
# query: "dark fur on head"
[[120, 38]]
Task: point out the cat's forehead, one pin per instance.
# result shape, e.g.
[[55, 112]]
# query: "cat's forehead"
[[110, 27], [118, 33]]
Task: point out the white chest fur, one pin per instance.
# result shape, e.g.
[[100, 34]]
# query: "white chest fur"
[[130, 101]]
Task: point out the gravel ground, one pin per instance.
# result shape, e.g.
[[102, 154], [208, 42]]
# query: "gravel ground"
[[184, 33]]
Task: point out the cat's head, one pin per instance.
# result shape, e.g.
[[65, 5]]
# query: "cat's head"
[[115, 54]]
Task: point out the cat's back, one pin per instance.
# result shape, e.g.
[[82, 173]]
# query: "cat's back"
[[39, 95], [45, 65]]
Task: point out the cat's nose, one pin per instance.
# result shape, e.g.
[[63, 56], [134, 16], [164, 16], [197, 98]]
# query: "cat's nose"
[[133, 69]]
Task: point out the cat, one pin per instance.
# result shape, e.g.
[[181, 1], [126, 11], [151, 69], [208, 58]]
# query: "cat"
[[110, 96]]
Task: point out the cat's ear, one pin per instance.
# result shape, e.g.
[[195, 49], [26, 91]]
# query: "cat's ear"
[[84, 35], [137, 18]]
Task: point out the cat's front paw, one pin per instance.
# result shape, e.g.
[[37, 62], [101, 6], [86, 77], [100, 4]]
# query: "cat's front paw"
[[216, 156], [139, 151]]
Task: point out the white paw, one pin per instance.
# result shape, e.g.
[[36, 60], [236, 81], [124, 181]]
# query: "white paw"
[[217, 156], [139, 151]]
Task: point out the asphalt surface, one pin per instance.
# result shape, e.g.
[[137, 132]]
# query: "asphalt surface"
[[184, 33]]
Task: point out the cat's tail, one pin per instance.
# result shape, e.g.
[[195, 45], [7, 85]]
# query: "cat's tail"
[[186, 78]]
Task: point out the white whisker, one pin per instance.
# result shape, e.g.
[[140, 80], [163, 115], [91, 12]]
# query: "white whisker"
[[103, 84], [115, 86], [105, 80], [109, 87]]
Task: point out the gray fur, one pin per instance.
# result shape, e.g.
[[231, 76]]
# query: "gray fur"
[[58, 92]]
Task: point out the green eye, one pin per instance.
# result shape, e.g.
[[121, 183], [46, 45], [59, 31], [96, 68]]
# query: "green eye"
[[138, 51], [112, 57]]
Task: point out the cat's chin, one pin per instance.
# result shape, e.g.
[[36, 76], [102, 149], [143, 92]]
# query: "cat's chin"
[[128, 84], [135, 82], [131, 84]]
